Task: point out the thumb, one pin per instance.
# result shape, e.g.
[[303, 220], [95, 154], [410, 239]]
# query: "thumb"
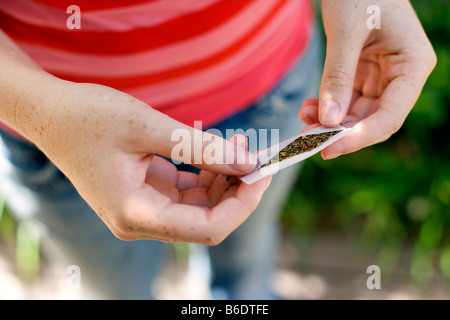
[[205, 150], [337, 80]]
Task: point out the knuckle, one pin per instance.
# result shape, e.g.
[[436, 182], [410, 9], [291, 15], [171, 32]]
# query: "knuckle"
[[124, 226], [118, 223], [432, 59], [215, 240], [122, 235], [337, 78], [396, 124], [125, 221], [392, 123], [427, 58], [428, 51]]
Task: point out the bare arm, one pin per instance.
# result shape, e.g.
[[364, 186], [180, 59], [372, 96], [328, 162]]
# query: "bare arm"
[[105, 142]]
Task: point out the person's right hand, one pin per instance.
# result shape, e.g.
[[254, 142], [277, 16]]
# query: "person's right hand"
[[372, 77], [105, 142]]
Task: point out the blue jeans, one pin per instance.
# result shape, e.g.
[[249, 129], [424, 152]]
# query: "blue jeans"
[[240, 267]]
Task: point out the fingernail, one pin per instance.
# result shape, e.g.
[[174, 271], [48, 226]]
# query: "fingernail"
[[332, 156], [329, 112]]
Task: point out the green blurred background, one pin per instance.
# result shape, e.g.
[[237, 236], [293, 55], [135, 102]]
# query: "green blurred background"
[[391, 200], [393, 197]]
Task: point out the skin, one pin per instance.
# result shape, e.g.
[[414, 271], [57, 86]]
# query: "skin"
[[374, 76], [105, 141]]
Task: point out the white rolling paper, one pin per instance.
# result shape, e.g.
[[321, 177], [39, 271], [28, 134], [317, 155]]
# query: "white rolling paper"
[[265, 155]]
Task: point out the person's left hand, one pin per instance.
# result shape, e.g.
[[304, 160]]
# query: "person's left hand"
[[372, 77]]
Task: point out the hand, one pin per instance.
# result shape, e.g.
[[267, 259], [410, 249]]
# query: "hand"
[[105, 142], [372, 77]]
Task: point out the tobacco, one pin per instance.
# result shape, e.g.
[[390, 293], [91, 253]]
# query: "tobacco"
[[300, 145]]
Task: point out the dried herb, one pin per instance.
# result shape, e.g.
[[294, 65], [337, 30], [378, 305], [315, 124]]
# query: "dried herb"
[[300, 145]]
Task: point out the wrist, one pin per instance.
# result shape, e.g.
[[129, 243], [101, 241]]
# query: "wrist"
[[28, 98]]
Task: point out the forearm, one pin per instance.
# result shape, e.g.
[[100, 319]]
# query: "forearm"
[[26, 91]]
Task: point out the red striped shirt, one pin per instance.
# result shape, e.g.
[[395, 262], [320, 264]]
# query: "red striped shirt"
[[191, 59]]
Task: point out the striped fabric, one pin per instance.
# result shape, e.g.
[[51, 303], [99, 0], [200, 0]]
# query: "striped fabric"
[[191, 59]]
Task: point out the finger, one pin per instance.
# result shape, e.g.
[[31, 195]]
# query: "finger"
[[308, 101], [309, 112], [355, 96], [240, 140], [187, 180], [204, 150], [162, 175], [369, 131], [162, 171], [161, 219], [363, 106], [219, 184], [195, 197], [206, 178], [222, 183], [312, 126], [231, 190], [394, 105], [196, 224], [373, 84], [218, 188], [350, 120], [233, 211], [342, 56]]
